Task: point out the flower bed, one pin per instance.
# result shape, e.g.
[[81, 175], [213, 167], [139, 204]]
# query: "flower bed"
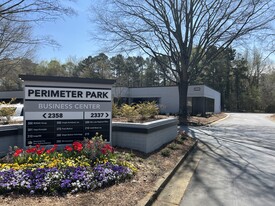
[[86, 165]]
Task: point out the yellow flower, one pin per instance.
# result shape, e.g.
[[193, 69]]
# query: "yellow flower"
[[5, 166]]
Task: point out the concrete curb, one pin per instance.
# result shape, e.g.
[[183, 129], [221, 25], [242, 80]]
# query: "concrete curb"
[[152, 196], [219, 120]]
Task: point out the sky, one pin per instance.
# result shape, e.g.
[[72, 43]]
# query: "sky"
[[71, 33]]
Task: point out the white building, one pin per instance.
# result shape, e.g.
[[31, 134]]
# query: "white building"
[[201, 99]]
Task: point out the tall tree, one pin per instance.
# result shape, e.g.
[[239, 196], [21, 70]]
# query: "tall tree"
[[267, 85], [172, 29], [118, 68], [52, 68], [150, 73], [17, 17], [95, 67], [102, 66], [9, 80]]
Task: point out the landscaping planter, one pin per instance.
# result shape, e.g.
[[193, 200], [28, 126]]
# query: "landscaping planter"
[[145, 137], [10, 135]]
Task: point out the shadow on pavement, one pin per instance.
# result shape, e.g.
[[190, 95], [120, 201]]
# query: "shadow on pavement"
[[236, 151]]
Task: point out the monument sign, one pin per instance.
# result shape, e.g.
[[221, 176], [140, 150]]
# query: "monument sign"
[[60, 110]]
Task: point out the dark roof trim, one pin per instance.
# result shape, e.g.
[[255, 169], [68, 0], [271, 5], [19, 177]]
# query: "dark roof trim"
[[65, 79]]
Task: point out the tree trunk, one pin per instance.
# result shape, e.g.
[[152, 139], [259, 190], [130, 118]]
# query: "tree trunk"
[[183, 87]]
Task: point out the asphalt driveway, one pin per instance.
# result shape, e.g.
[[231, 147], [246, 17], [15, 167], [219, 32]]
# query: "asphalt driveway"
[[237, 165]]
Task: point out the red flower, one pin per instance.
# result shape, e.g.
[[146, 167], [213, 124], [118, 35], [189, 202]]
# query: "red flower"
[[106, 149], [37, 146], [77, 146], [39, 152], [31, 150], [49, 151], [68, 148], [17, 152]]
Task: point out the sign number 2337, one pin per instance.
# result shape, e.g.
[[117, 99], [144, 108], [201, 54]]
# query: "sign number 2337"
[[99, 115]]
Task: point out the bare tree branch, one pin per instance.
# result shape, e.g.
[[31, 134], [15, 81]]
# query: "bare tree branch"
[[182, 31], [33, 10]]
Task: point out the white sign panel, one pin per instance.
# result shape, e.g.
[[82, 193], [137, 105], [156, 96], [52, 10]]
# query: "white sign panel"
[[72, 94], [97, 115], [53, 115], [63, 114]]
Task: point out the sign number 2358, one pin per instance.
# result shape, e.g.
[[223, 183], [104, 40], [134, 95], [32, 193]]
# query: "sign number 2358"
[[52, 115]]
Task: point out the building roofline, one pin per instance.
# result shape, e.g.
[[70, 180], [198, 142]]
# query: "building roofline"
[[65, 79]]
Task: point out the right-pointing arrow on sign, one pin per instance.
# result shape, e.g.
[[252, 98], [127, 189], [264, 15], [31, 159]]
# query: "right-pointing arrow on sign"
[[107, 115]]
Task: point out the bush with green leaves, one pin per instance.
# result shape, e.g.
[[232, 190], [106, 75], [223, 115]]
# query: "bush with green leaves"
[[6, 110], [270, 108], [129, 111], [147, 110], [166, 152], [141, 111], [174, 146], [115, 110]]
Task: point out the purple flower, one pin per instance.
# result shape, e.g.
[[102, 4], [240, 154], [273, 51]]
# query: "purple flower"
[[54, 180], [66, 183]]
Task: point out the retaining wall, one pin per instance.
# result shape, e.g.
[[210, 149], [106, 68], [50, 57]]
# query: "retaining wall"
[[144, 137], [10, 135]]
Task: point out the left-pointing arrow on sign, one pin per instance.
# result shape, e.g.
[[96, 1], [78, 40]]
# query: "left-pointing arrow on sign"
[[44, 115]]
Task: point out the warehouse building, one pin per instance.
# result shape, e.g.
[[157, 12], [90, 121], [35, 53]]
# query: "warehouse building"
[[201, 98]]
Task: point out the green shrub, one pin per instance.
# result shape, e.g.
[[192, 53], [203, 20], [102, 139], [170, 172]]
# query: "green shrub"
[[166, 152], [6, 110], [115, 110], [142, 110], [174, 146], [270, 108], [129, 112], [153, 109], [128, 156], [147, 110]]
